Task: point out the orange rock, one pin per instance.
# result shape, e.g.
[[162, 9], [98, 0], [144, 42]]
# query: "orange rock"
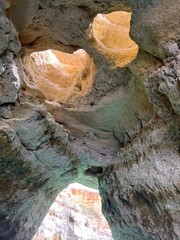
[[111, 35]]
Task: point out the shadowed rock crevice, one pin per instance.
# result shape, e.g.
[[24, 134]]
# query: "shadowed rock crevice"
[[94, 171], [7, 232]]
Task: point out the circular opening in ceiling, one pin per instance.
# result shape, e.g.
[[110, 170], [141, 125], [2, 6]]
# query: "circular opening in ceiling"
[[59, 76], [111, 35]]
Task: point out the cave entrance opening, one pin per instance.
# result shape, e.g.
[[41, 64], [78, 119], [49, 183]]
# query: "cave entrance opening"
[[110, 35], [58, 76], [75, 214]]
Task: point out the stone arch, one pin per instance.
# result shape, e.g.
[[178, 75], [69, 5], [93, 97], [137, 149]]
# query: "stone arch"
[[149, 155]]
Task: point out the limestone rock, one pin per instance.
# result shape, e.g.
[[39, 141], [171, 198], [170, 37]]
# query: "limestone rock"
[[9, 35], [3, 45], [9, 79], [155, 25], [111, 35], [9, 76], [163, 86], [35, 153], [144, 183], [58, 75], [121, 135]]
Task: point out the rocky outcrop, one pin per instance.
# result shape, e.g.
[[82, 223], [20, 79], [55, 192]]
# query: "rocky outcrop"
[[144, 183], [121, 135], [76, 209], [35, 153], [9, 76]]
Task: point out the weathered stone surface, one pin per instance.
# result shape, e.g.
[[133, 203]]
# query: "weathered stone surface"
[[4, 4], [106, 125], [158, 31], [9, 76], [58, 75], [111, 35], [35, 154], [144, 183], [155, 25], [9, 79], [133, 110], [22, 12], [9, 35]]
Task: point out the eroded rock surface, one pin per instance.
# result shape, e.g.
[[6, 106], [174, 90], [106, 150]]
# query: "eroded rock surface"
[[122, 135], [59, 76], [111, 35], [144, 183]]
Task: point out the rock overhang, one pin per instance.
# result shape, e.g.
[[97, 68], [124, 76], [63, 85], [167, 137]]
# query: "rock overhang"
[[96, 116]]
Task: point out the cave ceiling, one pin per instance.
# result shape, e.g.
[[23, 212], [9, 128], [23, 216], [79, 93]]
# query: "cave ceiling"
[[90, 92]]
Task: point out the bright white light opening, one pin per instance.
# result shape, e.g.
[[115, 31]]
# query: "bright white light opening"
[[75, 214]]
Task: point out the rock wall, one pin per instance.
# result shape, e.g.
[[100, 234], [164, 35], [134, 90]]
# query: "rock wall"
[[144, 183], [122, 136]]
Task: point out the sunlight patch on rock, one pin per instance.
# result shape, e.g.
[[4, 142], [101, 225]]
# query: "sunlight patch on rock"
[[111, 35], [75, 214], [58, 75]]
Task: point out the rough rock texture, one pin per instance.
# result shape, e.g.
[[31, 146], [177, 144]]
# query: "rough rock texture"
[[35, 154], [76, 210], [124, 133], [9, 44], [59, 76], [144, 183]]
